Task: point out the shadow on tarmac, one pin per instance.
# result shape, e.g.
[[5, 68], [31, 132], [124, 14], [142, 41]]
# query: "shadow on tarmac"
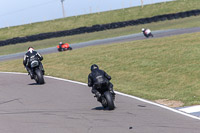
[[101, 108], [34, 84]]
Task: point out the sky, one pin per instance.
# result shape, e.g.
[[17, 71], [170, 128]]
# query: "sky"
[[19, 12]]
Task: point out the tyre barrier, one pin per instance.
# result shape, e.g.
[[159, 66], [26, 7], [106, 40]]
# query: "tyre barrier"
[[97, 27]]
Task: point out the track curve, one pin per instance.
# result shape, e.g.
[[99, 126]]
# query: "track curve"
[[63, 106]]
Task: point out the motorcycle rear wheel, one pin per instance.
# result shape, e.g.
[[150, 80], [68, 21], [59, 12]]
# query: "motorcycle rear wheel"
[[70, 48], [109, 100]]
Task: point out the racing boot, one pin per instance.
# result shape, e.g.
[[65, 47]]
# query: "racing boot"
[[113, 94], [42, 68], [98, 96], [43, 72], [111, 91], [31, 74]]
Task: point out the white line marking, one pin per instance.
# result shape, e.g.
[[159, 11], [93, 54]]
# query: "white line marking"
[[191, 109], [137, 98]]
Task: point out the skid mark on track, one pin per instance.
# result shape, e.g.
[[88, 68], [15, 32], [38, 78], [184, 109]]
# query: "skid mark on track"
[[9, 101]]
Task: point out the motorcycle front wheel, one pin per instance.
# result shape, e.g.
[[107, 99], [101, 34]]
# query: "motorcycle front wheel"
[[39, 77]]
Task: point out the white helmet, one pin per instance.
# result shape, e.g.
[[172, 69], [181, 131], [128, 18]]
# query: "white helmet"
[[31, 49], [142, 29], [61, 43]]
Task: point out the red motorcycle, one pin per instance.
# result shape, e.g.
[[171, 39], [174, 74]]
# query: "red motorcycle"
[[64, 47]]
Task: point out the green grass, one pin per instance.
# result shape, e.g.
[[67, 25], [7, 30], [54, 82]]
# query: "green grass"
[[172, 24], [163, 68], [99, 18]]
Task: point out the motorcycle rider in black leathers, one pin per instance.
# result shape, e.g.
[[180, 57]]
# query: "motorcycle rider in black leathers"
[[31, 52], [98, 78]]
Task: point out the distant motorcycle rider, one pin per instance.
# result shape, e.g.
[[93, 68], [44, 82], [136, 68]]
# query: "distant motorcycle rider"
[[63, 46], [147, 32], [27, 60], [98, 78], [60, 45]]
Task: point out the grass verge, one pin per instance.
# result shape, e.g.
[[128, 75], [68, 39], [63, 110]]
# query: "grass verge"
[[172, 24], [163, 68]]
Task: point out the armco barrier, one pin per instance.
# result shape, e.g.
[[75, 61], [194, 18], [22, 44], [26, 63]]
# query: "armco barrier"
[[96, 28]]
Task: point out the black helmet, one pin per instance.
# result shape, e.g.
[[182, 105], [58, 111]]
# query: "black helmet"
[[94, 67]]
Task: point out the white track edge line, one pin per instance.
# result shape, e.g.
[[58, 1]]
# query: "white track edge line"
[[123, 94], [192, 109]]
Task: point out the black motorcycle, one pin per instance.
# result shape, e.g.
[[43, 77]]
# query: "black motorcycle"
[[37, 72], [106, 99]]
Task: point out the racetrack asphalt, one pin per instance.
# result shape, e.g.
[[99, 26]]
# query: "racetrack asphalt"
[[65, 107], [132, 37]]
